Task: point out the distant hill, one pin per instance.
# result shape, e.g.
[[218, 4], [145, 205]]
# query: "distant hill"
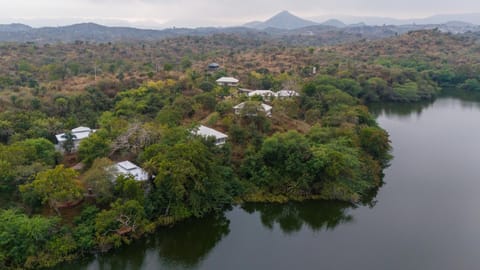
[[469, 18], [14, 27], [98, 33], [334, 23], [283, 28], [283, 20]]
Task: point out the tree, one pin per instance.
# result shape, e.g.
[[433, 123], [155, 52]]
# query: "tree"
[[23, 237], [84, 232], [6, 130], [41, 150], [93, 147], [471, 85], [281, 165], [127, 188], [376, 143], [114, 226], [55, 186], [69, 143], [189, 180], [100, 180], [7, 175]]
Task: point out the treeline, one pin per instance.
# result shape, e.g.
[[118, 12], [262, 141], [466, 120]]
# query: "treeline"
[[406, 68]]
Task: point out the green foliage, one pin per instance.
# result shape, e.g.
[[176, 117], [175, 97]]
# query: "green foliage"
[[117, 225], [23, 238], [95, 146], [99, 180], [206, 86], [84, 231], [127, 188], [168, 67], [326, 163], [189, 180], [376, 143], [207, 101], [68, 144], [406, 92], [55, 186], [283, 164], [471, 85], [31, 150]]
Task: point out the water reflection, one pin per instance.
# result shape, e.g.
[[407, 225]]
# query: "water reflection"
[[183, 246], [188, 243], [468, 99], [400, 110], [292, 217]]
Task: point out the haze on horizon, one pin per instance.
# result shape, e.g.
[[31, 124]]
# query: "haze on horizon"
[[197, 13]]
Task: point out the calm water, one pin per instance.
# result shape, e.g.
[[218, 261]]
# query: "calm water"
[[426, 216]]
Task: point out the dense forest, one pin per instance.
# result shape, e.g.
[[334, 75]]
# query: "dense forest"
[[146, 100]]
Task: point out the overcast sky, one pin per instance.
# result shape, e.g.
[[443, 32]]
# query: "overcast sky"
[[213, 12]]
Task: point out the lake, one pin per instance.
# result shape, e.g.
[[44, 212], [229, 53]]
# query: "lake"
[[425, 216]]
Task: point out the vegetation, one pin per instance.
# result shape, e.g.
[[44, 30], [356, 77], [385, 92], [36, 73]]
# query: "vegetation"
[[145, 99]]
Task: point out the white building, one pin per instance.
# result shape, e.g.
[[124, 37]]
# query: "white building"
[[287, 94], [227, 81], [265, 94], [128, 168], [207, 132], [78, 134], [267, 109]]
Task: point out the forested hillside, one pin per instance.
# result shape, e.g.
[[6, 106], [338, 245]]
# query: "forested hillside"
[[145, 102]]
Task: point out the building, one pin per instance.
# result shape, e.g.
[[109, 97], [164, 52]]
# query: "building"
[[79, 134], [128, 168], [265, 94], [287, 94], [244, 91], [213, 66], [207, 132], [255, 108], [227, 81]]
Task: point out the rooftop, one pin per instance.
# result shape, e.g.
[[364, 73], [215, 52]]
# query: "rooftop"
[[265, 107], [287, 93], [261, 93], [227, 80], [79, 133], [128, 168], [209, 132]]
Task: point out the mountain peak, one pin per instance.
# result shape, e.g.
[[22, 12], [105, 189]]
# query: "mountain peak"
[[282, 20], [284, 12]]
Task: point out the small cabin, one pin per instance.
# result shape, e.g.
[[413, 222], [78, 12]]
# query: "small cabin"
[[252, 109], [128, 168], [79, 134], [206, 132], [227, 81]]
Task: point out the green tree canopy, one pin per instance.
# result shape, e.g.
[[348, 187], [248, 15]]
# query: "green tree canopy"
[[55, 186]]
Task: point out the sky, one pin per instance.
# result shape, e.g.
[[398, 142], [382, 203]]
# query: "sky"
[[195, 13]]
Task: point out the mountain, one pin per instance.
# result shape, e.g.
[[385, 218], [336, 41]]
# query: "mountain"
[[469, 18], [283, 20], [334, 23], [14, 27], [99, 33], [282, 28]]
